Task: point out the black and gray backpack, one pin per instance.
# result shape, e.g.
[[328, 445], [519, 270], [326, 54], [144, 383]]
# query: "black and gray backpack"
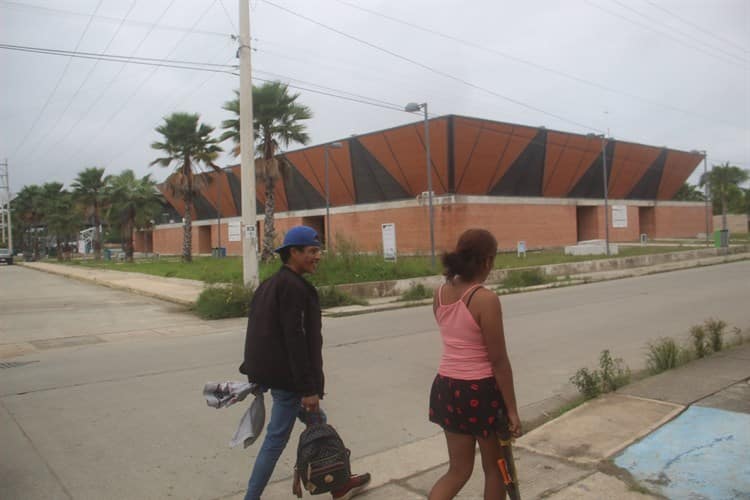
[[322, 459]]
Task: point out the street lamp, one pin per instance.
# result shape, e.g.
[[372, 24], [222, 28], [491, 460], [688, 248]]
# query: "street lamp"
[[705, 188], [606, 189], [326, 147], [413, 107]]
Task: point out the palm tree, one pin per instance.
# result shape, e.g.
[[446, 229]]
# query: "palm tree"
[[134, 202], [277, 121], [89, 189], [188, 144], [689, 192], [59, 215], [724, 184], [26, 209]]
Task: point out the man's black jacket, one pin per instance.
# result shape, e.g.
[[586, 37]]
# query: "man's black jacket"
[[283, 344]]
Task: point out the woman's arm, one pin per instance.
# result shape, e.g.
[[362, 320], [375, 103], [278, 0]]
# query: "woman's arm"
[[491, 322]]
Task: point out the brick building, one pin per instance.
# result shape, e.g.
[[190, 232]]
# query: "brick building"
[[541, 186]]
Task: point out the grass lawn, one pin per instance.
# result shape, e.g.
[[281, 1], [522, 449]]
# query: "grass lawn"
[[347, 268]]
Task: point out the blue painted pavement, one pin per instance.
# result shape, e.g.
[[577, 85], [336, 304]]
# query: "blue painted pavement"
[[702, 454]]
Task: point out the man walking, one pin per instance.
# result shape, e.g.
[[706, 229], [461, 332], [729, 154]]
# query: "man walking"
[[283, 352]]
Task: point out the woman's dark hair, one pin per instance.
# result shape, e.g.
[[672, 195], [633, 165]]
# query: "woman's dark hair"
[[473, 249]]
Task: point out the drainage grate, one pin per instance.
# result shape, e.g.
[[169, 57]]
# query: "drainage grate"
[[15, 364]]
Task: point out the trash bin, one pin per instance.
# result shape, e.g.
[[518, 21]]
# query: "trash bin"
[[107, 254], [219, 252], [721, 238]]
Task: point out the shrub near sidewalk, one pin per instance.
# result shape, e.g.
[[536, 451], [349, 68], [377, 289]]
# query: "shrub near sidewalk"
[[524, 278], [416, 292], [611, 375], [224, 301]]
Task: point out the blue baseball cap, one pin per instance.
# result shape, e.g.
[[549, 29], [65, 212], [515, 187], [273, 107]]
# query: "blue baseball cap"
[[300, 236]]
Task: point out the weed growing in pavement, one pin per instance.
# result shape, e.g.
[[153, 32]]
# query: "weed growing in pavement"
[[698, 336], [224, 301], [416, 292], [613, 372], [525, 277], [715, 329], [663, 354], [330, 296], [611, 375]]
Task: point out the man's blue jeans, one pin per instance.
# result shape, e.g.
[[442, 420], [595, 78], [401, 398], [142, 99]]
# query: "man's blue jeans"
[[287, 406]]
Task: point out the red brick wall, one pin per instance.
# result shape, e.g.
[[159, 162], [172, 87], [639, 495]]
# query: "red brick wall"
[[589, 221], [647, 216], [591, 224], [680, 222]]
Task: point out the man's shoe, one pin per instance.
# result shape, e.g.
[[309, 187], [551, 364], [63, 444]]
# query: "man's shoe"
[[354, 486]]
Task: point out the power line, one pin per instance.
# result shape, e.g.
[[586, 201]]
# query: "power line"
[[111, 81], [148, 77], [154, 25], [696, 26], [532, 64], [687, 35], [57, 85], [147, 61], [85, 78], [430, 68], [647, 27]]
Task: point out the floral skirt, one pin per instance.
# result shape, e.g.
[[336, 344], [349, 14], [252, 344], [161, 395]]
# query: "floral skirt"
[[466, 406]]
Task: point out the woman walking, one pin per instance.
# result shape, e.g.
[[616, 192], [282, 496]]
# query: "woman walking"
[[475, 379]]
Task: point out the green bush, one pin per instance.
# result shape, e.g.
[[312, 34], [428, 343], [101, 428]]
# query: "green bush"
[[523, 278], [330, 296], [698, 336], [664, 354], [587, 382], [416, 292], [611, 375], [224, 301], [715, 330]]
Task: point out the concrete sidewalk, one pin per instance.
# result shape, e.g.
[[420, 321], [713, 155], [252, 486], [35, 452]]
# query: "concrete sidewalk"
[[185, 292], [575, 455]]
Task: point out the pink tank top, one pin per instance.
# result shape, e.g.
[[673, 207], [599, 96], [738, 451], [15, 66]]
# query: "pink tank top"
[[464, 351]]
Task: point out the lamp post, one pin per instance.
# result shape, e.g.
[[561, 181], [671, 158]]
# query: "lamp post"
[[326, 147], [411, 108], [606, 189]]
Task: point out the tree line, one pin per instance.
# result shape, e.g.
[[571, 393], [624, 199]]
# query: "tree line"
[[724, 184], [125, 202]]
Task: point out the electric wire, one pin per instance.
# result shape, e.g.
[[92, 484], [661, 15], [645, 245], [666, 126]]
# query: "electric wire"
[[85, 78], [682, 33], [127, 100], [111, 82], [534, 65], [668, 35], [430, 68], [57, 85], [132, 22], [697, 26]]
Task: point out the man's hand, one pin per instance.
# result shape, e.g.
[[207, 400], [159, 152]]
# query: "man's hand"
[[296, 487], [311, 403]]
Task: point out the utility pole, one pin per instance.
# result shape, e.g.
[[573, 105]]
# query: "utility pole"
[[606, 193], [706, 195], [247, 153], [5, 219]]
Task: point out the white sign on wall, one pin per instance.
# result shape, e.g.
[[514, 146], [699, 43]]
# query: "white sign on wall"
[[389, 241], [619, 216], [235, 231]]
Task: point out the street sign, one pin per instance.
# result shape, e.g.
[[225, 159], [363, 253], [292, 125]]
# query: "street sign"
[[619, 216], [389, 241], [234, 229]]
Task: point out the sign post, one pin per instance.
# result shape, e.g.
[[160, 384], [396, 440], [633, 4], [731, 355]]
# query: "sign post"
[[389, 242]]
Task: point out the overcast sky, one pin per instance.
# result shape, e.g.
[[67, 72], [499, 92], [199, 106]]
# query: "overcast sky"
[[670, 73]]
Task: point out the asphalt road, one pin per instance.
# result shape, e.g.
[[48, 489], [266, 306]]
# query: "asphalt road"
[[110, 406]]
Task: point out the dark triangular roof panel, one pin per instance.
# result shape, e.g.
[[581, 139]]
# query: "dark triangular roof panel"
[[300, 194], [203, 208], [372, 182], [648, 186], [591, 184], [524, 177]]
